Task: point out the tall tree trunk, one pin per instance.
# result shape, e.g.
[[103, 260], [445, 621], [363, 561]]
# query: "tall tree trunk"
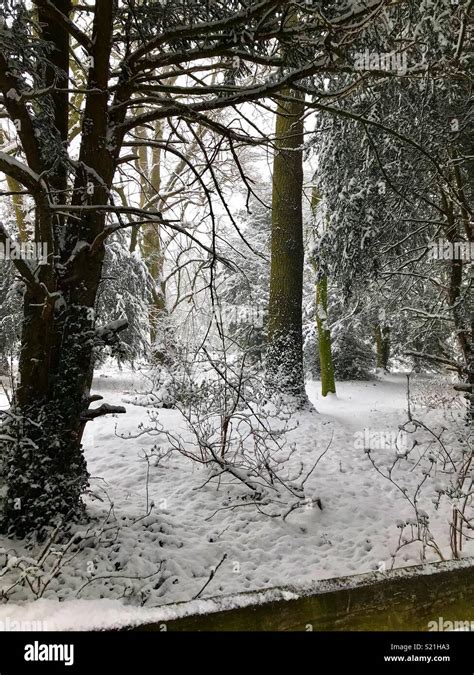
[[152, 253], [285, 341], [461, 271], [326, 364], [382, 345], [47, 471], [328, 383], [17, 199], [18, 208]]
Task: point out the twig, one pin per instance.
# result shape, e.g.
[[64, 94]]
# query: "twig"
[[211, 577]]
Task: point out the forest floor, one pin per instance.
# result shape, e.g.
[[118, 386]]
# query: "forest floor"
[[145, 561]]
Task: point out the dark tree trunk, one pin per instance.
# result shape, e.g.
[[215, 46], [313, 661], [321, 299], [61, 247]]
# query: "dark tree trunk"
[[47, 471], [382, 345]]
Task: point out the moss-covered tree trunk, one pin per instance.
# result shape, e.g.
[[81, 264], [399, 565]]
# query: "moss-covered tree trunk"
[[328, 382], [326, 364], [285, 342]]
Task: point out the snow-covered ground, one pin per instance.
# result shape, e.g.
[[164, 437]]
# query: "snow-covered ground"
[[167, 556]]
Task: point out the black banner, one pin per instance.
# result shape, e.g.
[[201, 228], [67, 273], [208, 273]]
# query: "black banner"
[[108, 652]]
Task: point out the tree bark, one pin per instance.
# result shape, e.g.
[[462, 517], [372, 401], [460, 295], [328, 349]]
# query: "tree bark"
[[152, 253], [47, 472], [328, 383], [285, 341], [382, 345], [326, 364]]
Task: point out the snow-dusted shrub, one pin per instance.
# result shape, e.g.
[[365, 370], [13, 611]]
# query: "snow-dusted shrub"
[[159, 392], [312, 366], [243, 288], [237, 433], [85, 559], [125, 294], [353, 358], [434, 394]]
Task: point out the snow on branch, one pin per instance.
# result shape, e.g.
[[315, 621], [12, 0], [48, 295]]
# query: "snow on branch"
[[104, 409], [110, 330]]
